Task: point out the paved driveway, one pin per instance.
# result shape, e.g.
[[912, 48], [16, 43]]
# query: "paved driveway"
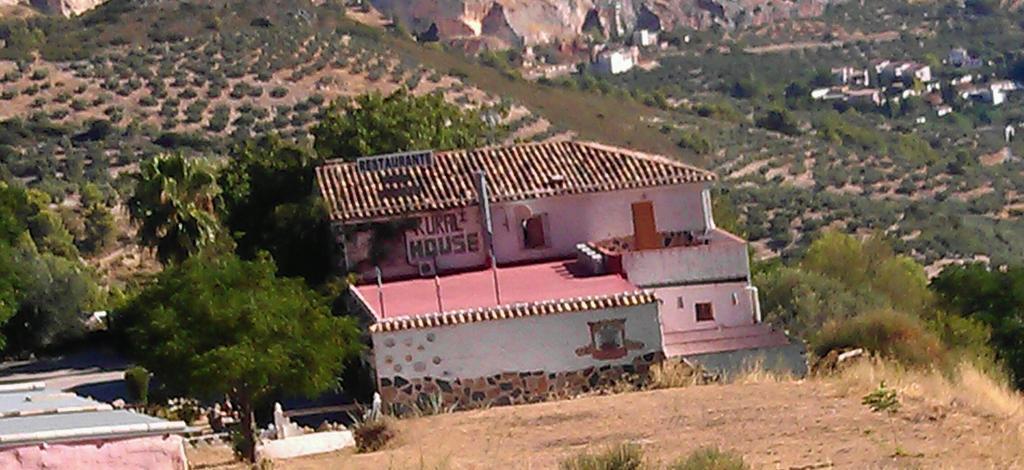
[[94, 373]]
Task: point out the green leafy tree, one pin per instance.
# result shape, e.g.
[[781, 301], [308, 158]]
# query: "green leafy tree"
[[804, 302], [696, 142], [850, 292], [211, 327], [53, 293], [48, 229], [42, 290], [779, 120], [269, 205], [375, 124], [8, 288], [100, 229], [996, 298], [175, 204], [14, 207], [727, 215]]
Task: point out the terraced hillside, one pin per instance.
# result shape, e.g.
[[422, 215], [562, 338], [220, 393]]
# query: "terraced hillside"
[[86, 122]]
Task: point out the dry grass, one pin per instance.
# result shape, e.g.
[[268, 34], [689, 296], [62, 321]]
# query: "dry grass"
[[756, 373], [672, 374], [373, 435], [948, 421], [967, 389]]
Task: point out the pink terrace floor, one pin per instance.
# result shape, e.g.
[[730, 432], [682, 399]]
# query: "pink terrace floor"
[[518, 284]]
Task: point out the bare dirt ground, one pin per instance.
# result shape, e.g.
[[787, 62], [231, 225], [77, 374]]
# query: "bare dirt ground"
[[788, 425]]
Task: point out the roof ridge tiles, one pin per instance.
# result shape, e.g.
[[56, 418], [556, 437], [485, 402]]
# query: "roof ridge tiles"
[[514, 310]]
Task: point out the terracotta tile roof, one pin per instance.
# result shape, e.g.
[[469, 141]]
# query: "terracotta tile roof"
[[504, 312], [517, 172]]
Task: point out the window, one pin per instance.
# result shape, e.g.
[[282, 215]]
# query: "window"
[[609, 339], [705, 312], [533, 232]]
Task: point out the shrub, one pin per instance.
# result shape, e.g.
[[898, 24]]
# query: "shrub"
[[779, 120], [882, 400], [373, 434], [695, 141], [892, 334], [710, 458], [137, 381], [621, 457], [239, 442], [279, 92]]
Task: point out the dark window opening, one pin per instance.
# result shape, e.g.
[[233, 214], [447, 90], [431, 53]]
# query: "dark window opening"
[[533, 232], [705, 312]]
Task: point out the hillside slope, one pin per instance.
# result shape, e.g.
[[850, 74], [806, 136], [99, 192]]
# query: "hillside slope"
[[817, 423]]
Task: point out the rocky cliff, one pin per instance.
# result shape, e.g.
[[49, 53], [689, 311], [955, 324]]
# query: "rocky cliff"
[[57, 7], [530, 22], [67, 7]]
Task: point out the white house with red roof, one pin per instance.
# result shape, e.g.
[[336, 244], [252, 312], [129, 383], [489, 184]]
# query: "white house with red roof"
[[510, 274]]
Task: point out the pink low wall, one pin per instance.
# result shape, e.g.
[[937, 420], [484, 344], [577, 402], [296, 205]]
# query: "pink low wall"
[[151, 453]]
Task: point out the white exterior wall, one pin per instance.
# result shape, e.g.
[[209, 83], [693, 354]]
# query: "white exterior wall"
[[615, 62], [725, 258], [540, 343], [678, 311], [591, 217]]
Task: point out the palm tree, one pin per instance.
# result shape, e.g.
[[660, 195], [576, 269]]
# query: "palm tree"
[[175, 203]]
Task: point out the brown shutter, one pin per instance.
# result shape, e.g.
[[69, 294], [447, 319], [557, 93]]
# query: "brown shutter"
[[535, 232], [645, 232]]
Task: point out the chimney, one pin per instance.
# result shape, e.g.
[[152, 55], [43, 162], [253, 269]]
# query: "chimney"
[[645, 231]]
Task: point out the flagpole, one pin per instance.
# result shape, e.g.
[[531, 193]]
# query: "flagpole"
[[437, 289], [485, 209], [380, 292]]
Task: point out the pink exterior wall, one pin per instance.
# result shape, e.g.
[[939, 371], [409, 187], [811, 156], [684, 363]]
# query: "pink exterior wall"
[[592, 217], [727, 314], [468, 230], [151, 453], [725, 258], [570, 220]]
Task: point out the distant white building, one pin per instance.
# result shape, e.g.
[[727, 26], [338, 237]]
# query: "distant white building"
[[962, 79], [993, 93], [960, 58], [850, 76], [645, 38], [943, 110], [896, 70], [843, 93], [614, 62], [866, 95], [825, 93]]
